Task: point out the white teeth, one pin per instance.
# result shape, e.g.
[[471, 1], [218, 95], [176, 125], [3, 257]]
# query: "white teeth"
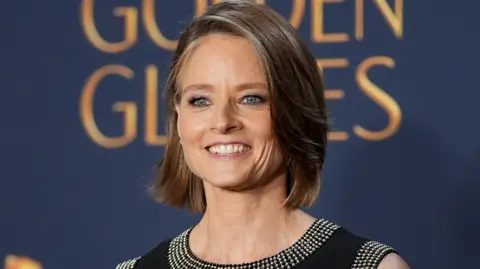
[[228, 149]]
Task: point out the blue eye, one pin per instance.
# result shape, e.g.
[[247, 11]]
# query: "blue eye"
[[253, 99], [198, 101]]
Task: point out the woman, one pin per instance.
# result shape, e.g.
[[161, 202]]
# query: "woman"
[[247, 128]]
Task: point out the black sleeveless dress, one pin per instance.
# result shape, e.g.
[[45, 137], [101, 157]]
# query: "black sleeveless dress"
[[324, 245]]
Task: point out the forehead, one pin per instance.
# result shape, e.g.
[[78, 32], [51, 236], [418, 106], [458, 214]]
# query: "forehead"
[[221, 58]]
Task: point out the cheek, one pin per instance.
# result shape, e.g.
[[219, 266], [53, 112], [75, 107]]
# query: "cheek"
[[190, 130], [265, 137], [261, 126]]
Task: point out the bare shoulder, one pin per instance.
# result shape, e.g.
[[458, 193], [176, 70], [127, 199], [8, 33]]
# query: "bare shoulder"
[[393, 261]]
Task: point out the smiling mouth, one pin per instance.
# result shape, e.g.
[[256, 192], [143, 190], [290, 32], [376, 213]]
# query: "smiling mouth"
[[228, 149]]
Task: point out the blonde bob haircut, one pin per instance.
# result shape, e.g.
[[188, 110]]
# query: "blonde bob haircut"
[[298, 109]]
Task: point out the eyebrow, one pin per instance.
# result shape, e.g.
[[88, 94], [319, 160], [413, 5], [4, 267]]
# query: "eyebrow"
[[239, 87]]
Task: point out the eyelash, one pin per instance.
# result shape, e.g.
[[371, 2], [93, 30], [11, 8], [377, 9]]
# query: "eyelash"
[[194, 99]]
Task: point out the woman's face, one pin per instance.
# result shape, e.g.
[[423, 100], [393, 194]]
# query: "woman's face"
[[224, 120]]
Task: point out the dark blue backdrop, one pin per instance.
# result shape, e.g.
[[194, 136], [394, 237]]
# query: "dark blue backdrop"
[[403, 165]]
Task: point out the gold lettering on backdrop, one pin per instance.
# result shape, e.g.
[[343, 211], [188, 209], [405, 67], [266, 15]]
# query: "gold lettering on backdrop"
[[130, 16], [151, 108], [394, 18], [334, 94], [318, 19], [392, 14], [380, 97], [333, 63], [148, 12], [21, 262], [129, 109]]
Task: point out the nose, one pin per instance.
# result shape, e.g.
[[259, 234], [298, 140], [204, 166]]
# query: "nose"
[[225, 119]]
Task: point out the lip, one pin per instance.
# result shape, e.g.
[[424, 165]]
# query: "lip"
[[227, 143]]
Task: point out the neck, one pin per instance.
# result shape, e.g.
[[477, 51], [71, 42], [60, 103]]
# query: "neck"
[[243, 227]]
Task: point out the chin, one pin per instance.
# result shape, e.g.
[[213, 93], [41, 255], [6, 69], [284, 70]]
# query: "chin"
[[227, 182]]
